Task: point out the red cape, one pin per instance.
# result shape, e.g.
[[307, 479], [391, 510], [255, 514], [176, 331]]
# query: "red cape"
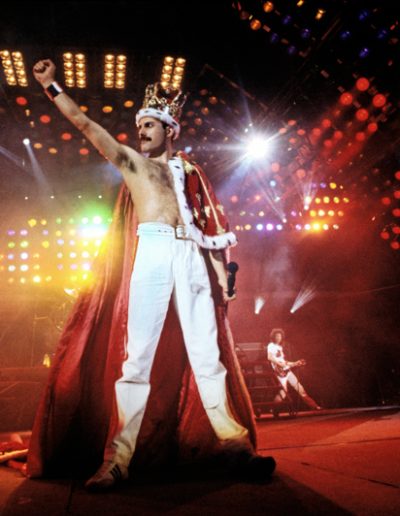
[[77, 411]]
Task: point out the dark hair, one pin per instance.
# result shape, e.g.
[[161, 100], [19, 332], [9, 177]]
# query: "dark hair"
[[274, 332]]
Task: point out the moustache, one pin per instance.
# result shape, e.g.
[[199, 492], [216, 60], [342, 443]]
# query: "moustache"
[[145, 139]]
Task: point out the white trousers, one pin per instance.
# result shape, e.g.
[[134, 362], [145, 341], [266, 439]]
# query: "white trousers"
[[166, 266]]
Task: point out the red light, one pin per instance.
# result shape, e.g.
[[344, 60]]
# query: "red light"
[[385, 235], [372, 127], [45, 119], [301, 132], [360, 136], [328, 144], [396, 194], [397, 175], [301, 173], [396, 212], [275, 167], [395, 245], [292, 122], [122, 137], [338, 135], [362, 115], [379, 100], [346, 98], [21, 101], [386, 201], [234, 198], [396, 230], [362, 84], [83, 151], [326, 123], [292, 140], [316, 131], [66, 136]]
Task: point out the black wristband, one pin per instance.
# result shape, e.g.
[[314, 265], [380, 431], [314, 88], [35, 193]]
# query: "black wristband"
[[53, 90]]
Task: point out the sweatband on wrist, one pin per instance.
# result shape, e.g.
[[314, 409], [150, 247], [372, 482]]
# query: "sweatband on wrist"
[[53, 90]]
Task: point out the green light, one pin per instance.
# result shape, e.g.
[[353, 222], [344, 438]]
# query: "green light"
[[58, 220]]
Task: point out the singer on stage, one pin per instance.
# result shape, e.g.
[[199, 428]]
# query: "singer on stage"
[[123, 381]]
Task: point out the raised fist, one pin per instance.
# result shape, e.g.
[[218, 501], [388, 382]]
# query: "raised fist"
[[44, 72]]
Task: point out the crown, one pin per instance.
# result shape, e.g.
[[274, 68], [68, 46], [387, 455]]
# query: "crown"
[[163, 104]]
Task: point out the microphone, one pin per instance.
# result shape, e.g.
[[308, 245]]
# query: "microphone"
[[232, 269]]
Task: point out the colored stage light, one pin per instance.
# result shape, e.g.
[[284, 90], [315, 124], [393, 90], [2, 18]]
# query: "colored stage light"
[[26, 141], [346, 98], [379, 100], [257, 148]]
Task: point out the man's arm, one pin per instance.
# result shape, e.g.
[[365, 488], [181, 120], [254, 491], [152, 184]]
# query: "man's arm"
[[218, 263], [44, 73]]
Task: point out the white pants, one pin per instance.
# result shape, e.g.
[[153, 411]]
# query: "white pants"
[[292, 380], [165, 266]]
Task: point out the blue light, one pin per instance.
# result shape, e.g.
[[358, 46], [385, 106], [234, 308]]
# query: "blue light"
[[259, 227], [382, 34], [272, 183], [364, 52], [274, 38], [363, 15], [287, 20], [345, 35], [305, 33], [292, 50]]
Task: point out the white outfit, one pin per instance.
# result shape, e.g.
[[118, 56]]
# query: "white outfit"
[[283, 372], [166, 265]]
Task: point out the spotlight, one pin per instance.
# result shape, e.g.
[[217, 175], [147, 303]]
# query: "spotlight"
[[26, 141], [257, 148]]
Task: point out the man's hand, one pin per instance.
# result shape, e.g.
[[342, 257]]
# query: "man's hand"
[[301, 362], [44, 72], [225, 296]]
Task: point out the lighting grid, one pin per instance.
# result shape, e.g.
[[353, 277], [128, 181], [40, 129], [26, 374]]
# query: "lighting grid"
[[115, 71], [74, 70], [14, 68], [54, 252], [172, 72]]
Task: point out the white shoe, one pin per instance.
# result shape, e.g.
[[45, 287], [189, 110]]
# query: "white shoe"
[[107, 476]]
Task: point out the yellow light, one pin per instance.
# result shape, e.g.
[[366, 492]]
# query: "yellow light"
[[316, 226], [24, 244], [37, 145], [326, 227], [37, 279], [247, 227], [23, 280], [46, 244], [336, 200], [326, 199], [321, 213], [331, 213], [128, 103], [332, 186], [317, 200], [346, 200], [320, 14], [107, 109], [313, 213]]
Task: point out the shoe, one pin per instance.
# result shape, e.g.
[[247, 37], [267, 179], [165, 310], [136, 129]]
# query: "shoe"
[[253, 467], [107, 476]]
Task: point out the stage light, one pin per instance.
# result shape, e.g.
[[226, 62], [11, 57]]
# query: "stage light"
[[257, 148], [395, 245], [362, 84], [255, 24], [259, 302], [362, 115], [37, 279], [364, 52], [268, 7], [259, 227], [379, 100], [26, 141], [45, 119], [269, 227], [346, 98], [320, 13], [385, 235]]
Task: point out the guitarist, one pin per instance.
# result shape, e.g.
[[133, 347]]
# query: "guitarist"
[[283, 369]]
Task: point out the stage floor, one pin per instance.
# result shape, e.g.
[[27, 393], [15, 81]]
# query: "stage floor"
[[330, 462]]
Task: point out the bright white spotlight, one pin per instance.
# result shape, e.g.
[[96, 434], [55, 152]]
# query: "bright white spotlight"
[[257, 147], [26, 141], [259, 302], [307, 292]]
